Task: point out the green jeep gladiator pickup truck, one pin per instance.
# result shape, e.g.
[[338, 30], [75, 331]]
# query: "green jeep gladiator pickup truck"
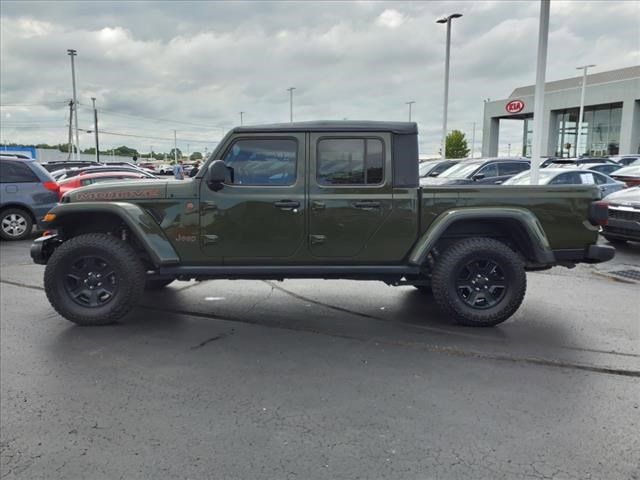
[[333, 200]]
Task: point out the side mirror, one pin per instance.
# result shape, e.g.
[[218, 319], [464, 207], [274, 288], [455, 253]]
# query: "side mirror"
[[216, 175], [433, 174], [477, 177]]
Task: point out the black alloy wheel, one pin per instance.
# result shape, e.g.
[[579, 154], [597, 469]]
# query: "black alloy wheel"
[[90, 281]]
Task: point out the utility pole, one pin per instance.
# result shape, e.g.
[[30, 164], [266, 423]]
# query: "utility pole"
[[72, 53], [584, 69], [410, 104], [446, 20], [175, 147], [241, 118], [508, 149], [473, 140], [95, 127], [538, 96], [70, 129], [151, 154], [290, 90]]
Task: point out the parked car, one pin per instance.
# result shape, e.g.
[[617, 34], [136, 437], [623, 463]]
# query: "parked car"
[[97, 177], [27, 192], [486, 171], [165, 169], [629, 175], [624, 216], [433, 168], [64, 174], [606, 168], [574, 176], [625, 160], [14, 156], [64, 165], [368, 219], [575, 161]]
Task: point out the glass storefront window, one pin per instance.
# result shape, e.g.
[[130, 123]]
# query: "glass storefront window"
[[600, 133]]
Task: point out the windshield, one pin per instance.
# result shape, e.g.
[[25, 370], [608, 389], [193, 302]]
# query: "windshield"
[[426, 167], [524, 178], [461, 170]]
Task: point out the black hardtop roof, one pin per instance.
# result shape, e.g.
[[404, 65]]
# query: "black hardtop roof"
[[401, 128]]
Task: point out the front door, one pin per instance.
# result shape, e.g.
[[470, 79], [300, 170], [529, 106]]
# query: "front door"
[[259, 214], [350, 191]]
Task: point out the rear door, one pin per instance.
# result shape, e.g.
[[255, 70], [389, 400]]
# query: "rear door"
[[350, 191], [18, 183], [506, 170]]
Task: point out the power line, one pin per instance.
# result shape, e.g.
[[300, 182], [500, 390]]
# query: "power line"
[[167, 120], [151, 137], [64, 102]]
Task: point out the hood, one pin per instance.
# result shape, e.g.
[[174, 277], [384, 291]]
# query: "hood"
[[629, 197], [118, 191]]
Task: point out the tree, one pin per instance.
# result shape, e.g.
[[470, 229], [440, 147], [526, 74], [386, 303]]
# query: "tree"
[[125, 151], [178, 151], [456, 145], [195, 156]]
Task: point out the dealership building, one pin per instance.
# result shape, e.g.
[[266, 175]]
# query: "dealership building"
[[611, 123]]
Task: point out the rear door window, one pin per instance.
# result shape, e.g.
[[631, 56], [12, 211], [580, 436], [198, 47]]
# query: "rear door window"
[[16, 172], [350, 161]]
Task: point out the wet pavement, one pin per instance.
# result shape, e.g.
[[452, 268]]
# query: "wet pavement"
[[315, 379]]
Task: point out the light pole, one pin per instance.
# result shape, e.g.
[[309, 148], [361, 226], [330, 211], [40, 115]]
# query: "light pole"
[[95, 127], [473, 140], [241, 118], [175, 147], [446, 20], [72, 53], [290, 90], [584, 69], [410, 104], [538, 95]]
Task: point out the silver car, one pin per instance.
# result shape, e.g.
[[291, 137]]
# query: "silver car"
[[573, 176]]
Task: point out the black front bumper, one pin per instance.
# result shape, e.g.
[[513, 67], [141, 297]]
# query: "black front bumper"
[[42, 248]]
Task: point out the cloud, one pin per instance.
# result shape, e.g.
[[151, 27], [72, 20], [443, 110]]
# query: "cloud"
[[193, 66]]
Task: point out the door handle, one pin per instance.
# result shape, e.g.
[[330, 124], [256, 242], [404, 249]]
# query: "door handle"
[[366, 205], [286, 204], [208, 206], [317, 239], [209, 239], [318, 205]]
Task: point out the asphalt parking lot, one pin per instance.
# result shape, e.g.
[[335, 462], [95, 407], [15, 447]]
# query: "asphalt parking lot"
[[323, 380]]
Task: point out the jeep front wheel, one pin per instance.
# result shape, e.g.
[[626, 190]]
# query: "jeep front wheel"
[[94, 279], [480, 282]]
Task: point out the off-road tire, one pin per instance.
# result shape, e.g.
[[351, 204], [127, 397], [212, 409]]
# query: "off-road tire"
[[450, 263], [128, 270], [26, 223], [157, 283], [614, 240]]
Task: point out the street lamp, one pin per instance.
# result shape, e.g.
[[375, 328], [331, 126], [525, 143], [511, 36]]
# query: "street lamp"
[[72, 53], [446, 20], [584, 69], [410, 104], [290, 90]]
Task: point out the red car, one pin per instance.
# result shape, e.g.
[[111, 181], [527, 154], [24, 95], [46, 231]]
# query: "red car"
[[96, 177]]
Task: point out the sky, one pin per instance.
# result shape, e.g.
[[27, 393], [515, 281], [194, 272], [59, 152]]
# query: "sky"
[[156, 67]]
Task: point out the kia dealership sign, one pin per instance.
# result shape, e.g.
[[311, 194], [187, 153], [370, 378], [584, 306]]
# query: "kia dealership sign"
[[514, 106]]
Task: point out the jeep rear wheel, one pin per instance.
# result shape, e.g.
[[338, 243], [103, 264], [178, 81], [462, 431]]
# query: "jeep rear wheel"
[[480, 282], [94, 279]]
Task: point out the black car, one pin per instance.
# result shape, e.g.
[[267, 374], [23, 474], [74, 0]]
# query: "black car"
[[433, 168], [482, 171], [624, 216], [575, 161], [53, 166], [625, 160]]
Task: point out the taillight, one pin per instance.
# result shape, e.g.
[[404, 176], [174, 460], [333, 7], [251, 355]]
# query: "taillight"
[[599, 213], [52, 187]]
